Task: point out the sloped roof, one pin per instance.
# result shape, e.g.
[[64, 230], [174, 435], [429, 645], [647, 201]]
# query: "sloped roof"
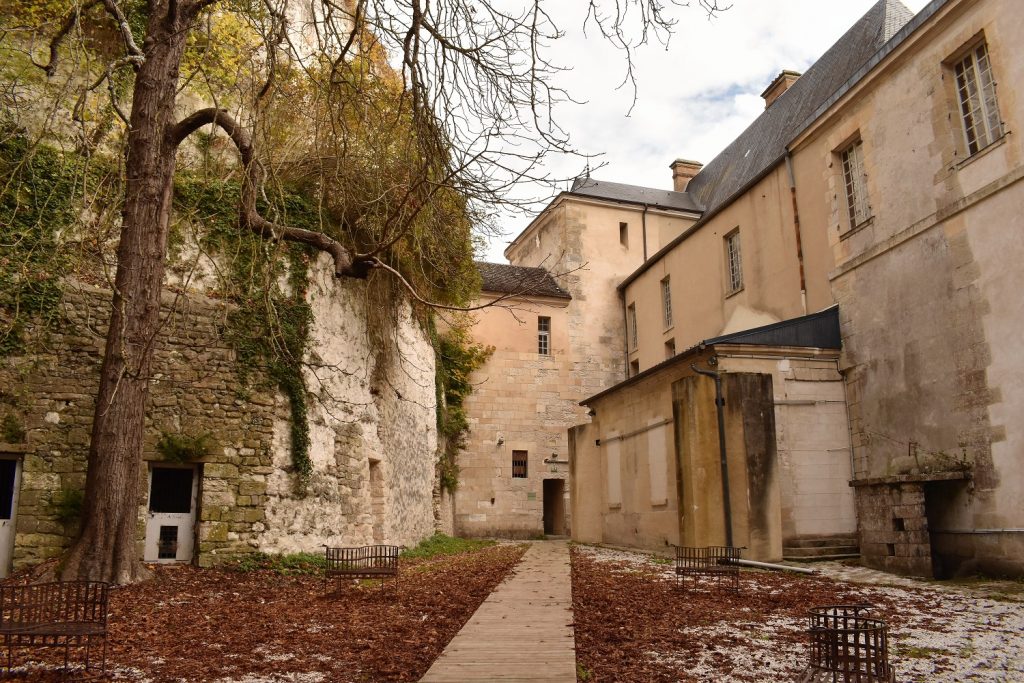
[[763, 143], [633, 194], [814, 331], [519, 280]]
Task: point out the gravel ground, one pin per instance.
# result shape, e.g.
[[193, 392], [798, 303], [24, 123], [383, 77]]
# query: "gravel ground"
[[939, 631]]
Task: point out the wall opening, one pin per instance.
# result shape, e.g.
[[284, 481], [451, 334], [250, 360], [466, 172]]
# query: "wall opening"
[[377, 500], [10, 474], [171, 522], [554, 507]]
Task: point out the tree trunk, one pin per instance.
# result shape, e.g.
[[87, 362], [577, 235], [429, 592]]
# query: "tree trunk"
[[107, 547]]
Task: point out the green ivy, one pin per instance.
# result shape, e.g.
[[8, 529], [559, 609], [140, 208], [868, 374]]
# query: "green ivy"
[[183, 448], [269, 326], [40, 190], [457, 357]]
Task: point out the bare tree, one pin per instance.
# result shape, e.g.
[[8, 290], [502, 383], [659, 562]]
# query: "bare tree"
[[472, 95]]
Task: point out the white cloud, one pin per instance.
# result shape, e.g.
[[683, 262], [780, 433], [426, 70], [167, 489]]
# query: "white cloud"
[[694, 97]]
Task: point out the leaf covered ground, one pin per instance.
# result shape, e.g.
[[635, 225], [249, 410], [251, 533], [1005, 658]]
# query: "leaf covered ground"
[[262, 625], [634, 624]]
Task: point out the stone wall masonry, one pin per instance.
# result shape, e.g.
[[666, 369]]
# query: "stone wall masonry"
[[248, 498], [894, 528]]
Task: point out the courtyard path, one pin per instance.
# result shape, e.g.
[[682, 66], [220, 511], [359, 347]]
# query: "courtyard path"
[[523, 631]]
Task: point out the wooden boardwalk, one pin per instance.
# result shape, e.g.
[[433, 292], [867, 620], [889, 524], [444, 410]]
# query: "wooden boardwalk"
[[523, 631]]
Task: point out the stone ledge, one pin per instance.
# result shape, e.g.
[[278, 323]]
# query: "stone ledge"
[[913, 478]]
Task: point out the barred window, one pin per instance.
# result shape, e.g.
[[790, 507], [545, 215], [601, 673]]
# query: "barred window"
[[733, 261], [976, 90], [631, 326], [519, 462], [544, 336], [666, 302], [856, 183]]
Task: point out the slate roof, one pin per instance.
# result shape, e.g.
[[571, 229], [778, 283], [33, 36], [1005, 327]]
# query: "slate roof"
[[814, 331], [519, 280], [633, 194], [763, 143]]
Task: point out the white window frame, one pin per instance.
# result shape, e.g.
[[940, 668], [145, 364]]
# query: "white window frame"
[[733, 262], [543, 335], [979, 107], [855, 180], [666, 301]]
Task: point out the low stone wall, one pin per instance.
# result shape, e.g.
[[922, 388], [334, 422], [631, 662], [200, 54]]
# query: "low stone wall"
[[373, 428], [893, 528]]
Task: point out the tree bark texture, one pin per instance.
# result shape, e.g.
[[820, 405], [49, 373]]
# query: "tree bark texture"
[[107, 546]]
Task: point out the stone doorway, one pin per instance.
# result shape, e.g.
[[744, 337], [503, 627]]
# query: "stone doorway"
[[171, 522], [554, 507], [10, 476]]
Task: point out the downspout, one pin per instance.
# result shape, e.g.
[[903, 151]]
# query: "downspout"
[[720, 409], [796, 228], [643, 224]]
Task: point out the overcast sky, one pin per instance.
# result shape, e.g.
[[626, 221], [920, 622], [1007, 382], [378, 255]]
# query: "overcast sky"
[[694, 97]]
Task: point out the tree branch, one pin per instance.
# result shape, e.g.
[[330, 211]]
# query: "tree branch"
[[250, 219], [69, 23]]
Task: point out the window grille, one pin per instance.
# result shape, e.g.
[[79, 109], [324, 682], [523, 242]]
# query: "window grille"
[[519, 463], [856, 185], [732, 257], [631, 324], [979, 110], [666, 302], [544, 336]]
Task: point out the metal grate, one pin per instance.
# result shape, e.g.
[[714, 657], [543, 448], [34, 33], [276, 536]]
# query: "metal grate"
[[167, 544], [666, 302], [733, 261], [856, 185], [519, 464], [979, 110], [847, 647]]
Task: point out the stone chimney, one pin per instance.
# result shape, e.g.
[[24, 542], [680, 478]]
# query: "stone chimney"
[[778, 86], [683, 171]]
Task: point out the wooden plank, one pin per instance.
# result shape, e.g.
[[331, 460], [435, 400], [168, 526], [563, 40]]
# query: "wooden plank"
[[522, 632]]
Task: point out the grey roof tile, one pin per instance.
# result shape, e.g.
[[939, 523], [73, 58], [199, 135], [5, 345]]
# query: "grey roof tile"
[[763, 143], [633, 194], [519, 280]]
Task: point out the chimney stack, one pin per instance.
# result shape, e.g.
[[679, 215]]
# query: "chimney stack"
[[778, 86], [683, 171]]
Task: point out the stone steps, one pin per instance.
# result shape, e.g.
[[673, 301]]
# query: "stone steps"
[[824, 548]]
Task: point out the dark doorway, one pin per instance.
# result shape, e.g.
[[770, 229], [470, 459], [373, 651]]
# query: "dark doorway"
[[554, 507]]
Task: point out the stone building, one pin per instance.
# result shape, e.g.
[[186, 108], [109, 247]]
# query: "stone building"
[[372, 430], [557, 338], [848, 265]]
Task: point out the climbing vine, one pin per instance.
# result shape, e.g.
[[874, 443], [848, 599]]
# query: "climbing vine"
[[457, 357], [37, 203], [270, 322]]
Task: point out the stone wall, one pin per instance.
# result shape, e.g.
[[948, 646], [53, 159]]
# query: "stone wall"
[[372, 427], [894, 528]]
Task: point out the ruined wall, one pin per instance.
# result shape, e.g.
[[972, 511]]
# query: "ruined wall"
[[248, 499]]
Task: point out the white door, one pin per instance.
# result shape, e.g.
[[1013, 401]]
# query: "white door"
[[171, 523], [10, 476]]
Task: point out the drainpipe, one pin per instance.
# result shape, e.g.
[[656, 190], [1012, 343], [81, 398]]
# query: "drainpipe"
[[720, 408], [643, 223], [796, 227]]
